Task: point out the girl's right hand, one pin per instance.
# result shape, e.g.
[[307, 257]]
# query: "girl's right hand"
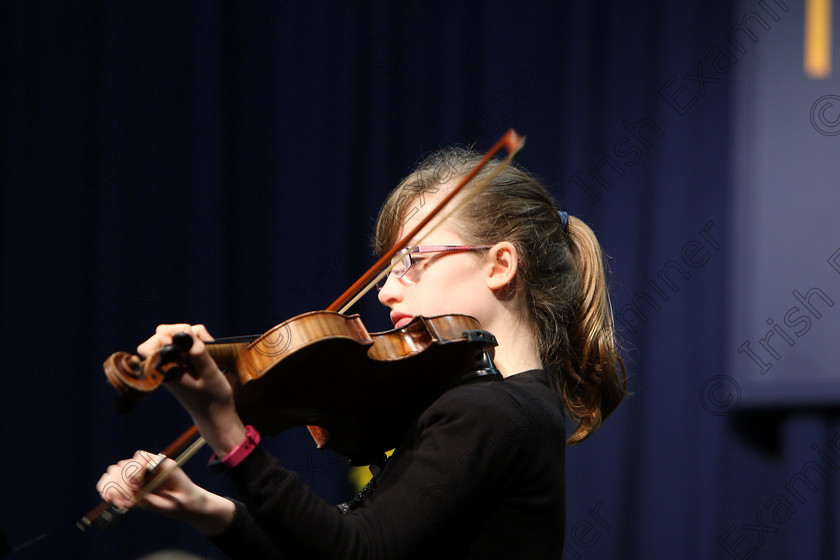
[[178, 497]]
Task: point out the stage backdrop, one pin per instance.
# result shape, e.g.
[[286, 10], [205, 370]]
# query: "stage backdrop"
[[786, 197], [223, 163]]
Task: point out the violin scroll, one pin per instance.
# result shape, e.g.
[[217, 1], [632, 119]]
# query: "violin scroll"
[[134, 378]]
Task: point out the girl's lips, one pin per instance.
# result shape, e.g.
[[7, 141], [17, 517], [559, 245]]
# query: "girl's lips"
[[400, 319]]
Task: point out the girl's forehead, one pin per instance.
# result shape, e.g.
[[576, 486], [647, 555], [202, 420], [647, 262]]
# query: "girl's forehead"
[[423, 203], [432, 234]]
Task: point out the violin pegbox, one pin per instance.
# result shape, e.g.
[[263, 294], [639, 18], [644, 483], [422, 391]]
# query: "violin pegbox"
[[134, 378]]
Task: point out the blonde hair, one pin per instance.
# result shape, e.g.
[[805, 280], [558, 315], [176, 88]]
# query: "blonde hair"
[[561, 278]]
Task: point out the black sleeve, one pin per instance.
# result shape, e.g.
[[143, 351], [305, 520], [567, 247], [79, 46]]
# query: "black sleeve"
[[436, 489], [243, 539]]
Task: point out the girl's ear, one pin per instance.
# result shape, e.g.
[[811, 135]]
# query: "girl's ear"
[[503, 262]]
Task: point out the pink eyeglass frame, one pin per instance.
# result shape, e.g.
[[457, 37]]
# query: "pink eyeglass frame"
[[405, 255]]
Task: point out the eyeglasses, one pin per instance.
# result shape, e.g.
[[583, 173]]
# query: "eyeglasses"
[[403, 260]]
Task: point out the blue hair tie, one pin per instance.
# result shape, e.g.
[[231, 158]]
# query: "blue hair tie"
[[564, 219]]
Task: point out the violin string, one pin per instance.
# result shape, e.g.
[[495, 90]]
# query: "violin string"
[[464, 199]]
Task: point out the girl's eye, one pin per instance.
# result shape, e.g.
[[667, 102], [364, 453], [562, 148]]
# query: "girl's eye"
[[419, 261]]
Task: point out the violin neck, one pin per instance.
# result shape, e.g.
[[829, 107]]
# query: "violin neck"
[[225, 351]]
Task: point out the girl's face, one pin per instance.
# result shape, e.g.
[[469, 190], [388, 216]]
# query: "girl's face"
[[437, 283]]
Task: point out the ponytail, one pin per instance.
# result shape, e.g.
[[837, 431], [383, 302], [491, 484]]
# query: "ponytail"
[[594, 380]]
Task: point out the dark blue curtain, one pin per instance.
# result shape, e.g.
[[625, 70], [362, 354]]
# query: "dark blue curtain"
[[223, 162]]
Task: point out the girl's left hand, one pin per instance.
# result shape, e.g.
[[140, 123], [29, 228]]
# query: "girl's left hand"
[[205, 392]]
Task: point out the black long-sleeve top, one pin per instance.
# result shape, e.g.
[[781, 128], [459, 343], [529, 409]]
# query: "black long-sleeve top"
[[480, 474]]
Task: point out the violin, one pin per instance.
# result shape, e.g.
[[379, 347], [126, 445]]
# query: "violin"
[[356, 391], [325, 369]]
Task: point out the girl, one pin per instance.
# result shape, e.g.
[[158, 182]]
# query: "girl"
[[480, 473]]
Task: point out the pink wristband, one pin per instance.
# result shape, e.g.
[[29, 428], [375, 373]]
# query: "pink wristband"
[[238, 453]]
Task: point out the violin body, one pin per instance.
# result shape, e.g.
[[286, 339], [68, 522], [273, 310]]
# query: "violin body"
[[357, 391]]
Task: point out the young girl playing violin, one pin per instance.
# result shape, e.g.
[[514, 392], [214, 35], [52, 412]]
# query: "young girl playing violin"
[[480, 473]]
